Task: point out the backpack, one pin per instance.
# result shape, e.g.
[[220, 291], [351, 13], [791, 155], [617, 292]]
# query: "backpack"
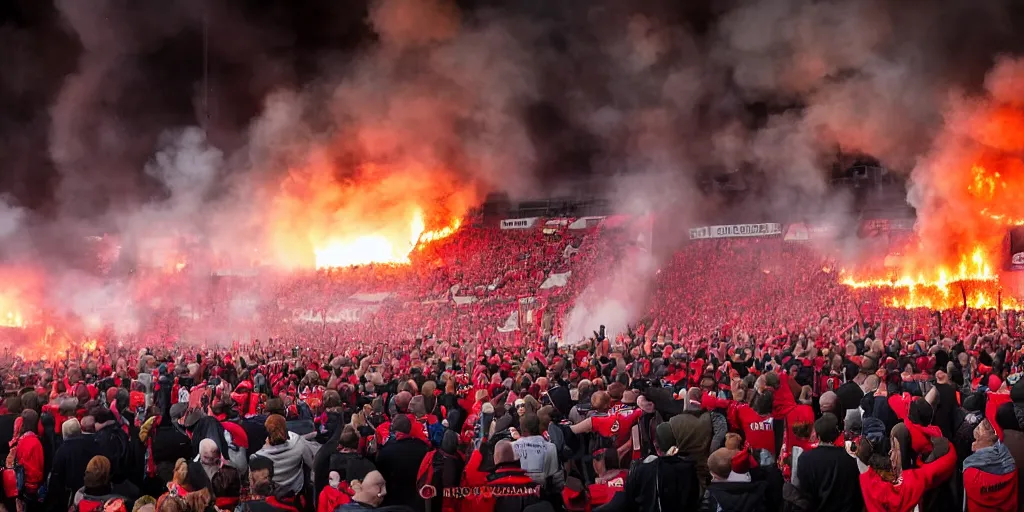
[[13, 477], [115, 442]]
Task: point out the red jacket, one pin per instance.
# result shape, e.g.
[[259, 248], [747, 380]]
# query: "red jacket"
[[30, 455], [882, 496], [990, 480], [759, 431], [783, 400]]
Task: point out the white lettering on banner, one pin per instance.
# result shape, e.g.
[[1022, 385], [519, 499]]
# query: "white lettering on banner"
[[518, 223], [736, 230]]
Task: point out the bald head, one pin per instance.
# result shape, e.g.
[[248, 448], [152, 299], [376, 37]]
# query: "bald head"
[[503, 452], [828, 401], [209, 453], [372, 489], [720, 463]]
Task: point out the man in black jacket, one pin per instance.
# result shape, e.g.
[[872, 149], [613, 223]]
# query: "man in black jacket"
[[736, 492], [69, 465], [398, 461], [666, 481], [828, 476], [14, 409]]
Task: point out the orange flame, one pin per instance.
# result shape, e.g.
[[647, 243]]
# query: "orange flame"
[[321, 218], [943, 287], [968, 192]]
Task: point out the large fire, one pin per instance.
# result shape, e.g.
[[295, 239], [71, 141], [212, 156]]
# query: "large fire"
[[323, 217], [968, 193], [972, 282], [27, 329], [380, 247]]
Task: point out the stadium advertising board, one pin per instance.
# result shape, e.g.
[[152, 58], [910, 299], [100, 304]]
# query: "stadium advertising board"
[[736, 230], [526, 223]]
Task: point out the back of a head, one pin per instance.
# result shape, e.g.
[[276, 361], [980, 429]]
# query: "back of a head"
[[277, 429], [615, 391], [921, 412], [30, 400], [827, 428], [13, 405], [772, 380], [70, 428], [720, 462], [600, 400], [349, 438], [401, 424], [828, 401], [530, 424], [29, 421], [275, 406], [97, 472], [402, 400], [417, 406], [762, 403], [261, 467], [503, 452], [694, 394]]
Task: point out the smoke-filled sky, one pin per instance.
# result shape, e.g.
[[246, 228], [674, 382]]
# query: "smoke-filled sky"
[[97, 98]]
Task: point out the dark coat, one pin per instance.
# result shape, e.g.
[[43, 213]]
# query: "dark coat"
[[6, 433], [1014, 441], [830, 479], [735, 497], [670, 479], [68, 471], [169, 445], [399, 462]]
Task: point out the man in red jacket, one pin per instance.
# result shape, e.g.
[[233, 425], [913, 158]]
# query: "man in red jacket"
[[754, 419], [990, 474], [27, 451]]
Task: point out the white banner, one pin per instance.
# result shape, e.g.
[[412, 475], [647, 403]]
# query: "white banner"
[[511, 323], [526, 223], [370, 297], [586, 222], [736, 230], [463, 300], [556, 280]]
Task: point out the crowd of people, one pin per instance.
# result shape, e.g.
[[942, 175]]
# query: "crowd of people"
[[754, 381]]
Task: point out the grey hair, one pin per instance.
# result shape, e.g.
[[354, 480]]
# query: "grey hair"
[[70, 428]]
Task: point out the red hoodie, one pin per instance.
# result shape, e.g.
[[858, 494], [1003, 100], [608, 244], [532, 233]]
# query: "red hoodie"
[[906, 493], [783, 400], [990, 480], [29, 454]]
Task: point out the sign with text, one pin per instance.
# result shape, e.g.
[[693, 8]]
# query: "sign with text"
[[736, 230]]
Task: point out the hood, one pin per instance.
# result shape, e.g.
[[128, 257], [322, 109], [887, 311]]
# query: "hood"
[[738, 496], [283, 447], [995, 459], [693, 438]]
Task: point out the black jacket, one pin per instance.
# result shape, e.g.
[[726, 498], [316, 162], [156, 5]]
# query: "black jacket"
[[830, 479], [735, 497], [399, 462], [169, 445], [68, 472], [673, 479], [6, 433]]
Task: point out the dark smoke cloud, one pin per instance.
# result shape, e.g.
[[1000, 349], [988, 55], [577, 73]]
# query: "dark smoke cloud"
[[653, 97]]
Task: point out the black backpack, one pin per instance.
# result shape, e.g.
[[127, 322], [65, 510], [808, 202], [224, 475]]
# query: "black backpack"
[[115, 446]]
